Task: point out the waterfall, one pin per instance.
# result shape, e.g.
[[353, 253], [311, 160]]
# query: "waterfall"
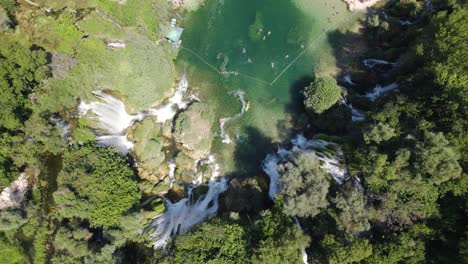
[[379, 90], [222, 121], [172, 167], [14, 195], [179, 217], [380, 66], [329, 163], [63, 125], [114, 120], [168, 110], [305, 258]]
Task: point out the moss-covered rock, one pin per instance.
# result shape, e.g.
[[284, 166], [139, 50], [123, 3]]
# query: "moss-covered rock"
[[150, 150], [193, 130]]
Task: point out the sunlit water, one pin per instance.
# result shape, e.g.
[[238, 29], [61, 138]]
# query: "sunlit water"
[[268, 66]]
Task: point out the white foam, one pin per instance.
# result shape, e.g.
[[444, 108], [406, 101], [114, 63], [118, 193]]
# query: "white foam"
[[179, 217], [121, 142], [329, 163], [172, 167], [379, 90], [168, 110], [14, 195]]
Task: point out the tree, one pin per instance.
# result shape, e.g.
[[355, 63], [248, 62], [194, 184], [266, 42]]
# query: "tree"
[[338, 253], [304, 185], [352, 214], [97, 184], [5, 21], [436, 159], [276, 238], [321, 95], [379, 133], [21, 71], [215, 241]]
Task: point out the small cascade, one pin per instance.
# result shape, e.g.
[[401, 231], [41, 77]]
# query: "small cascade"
[[379, 90], [182, 215], [121, 142], [111, 113], [63, 125], [347, 79], [329, 163], [305, 258], [172, 167], [169, 109], [356, 114], [222, 121], [114, 120], [380, 66], [15, 194]]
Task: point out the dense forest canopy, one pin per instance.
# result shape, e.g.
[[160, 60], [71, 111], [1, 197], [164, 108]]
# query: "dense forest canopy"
[[67, 198]]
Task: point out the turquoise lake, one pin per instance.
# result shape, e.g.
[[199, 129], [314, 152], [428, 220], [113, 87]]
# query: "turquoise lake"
[[269, 49]]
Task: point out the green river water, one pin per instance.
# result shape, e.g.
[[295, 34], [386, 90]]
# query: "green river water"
[[271, 65]]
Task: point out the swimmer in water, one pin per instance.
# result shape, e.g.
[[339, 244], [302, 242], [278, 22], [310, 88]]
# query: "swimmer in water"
[[244, 51], [264, 37], [249, 60], [269, 32], [302, 46], [272, 65], [287, 56]]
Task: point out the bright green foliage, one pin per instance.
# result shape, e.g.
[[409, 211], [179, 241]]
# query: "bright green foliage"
[[436, 159], [338, 253], [321, 95], [215, 241], [96, 184], [304, 185], [21, 70], [402, 248], [285, 249], [73, 243], [11, 253], [8, 5], [278, 237], [379, 133], [10, 220], [352, 214]]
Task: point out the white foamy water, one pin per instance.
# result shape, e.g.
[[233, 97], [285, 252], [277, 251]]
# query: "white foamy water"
[[347, 79], [379, 90], [169, 109], [371, 63], [63, 125], [222, 121], [121, 142], [111, 113], [329, 163], [172, 167], [14, 195], [179, 217], [114, 120]]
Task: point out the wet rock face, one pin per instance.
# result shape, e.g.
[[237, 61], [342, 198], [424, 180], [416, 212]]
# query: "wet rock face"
[[193, 130]]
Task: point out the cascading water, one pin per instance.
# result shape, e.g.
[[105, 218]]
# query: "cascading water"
[[305, 258], [379, 90], [381, 66], [63, 125], [329, 163], [180, 216], [167, 111], [222, 121], [114, 120]]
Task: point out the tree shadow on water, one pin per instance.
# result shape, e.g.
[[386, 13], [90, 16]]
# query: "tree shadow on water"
[[250, 151]]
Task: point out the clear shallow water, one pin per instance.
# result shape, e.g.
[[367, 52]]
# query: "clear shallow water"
[[221, 56]]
